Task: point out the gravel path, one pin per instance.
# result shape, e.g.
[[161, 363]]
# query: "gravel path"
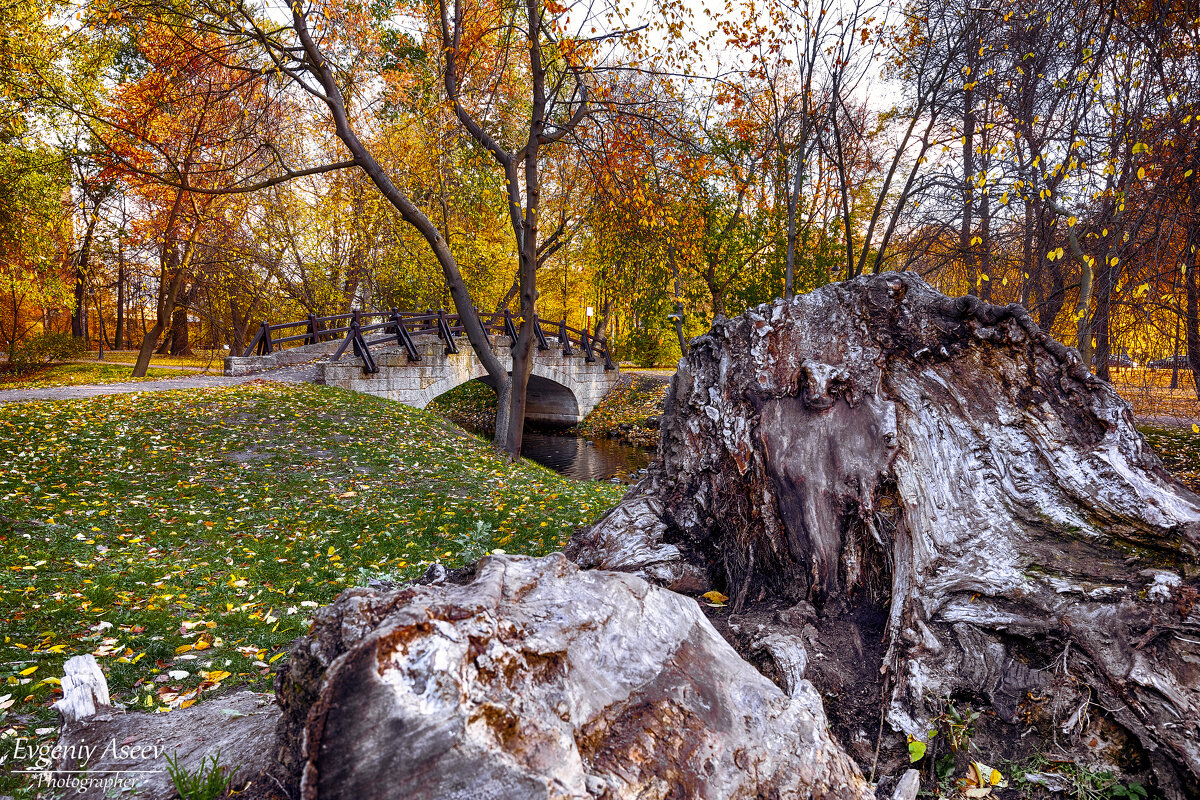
[[302, 373]]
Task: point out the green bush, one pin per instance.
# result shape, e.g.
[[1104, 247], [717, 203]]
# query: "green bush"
[[48, 348], [645, 346]]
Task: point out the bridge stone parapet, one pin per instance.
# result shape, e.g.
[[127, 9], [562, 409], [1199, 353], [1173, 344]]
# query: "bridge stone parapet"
[[248, 365], [563, 389]]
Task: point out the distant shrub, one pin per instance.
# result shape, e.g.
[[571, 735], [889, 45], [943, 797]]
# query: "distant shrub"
[[47, 348]]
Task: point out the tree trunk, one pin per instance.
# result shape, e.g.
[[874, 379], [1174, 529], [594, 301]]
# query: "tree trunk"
[[796, 187], [79, 315], [677, 311], [1175, 342], [119, 335], [968, 159], [1193, 315], [169, 285], [1049, 309], [958, 510], [1102, 322], [181, 340]]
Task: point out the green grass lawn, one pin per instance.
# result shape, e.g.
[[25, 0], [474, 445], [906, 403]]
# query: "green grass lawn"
[[184, 538], [1179, 449], [80, 374]]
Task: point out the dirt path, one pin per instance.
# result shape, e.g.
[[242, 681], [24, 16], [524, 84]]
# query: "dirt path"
[[303, 373]]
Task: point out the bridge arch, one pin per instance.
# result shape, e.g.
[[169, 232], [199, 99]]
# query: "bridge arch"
[[548, 401]]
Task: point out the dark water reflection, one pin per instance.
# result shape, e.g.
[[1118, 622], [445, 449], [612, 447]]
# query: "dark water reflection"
[[575, 456], [584, 459]]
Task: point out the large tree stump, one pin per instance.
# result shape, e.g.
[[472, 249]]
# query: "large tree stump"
[[949, 484], [533, 679]]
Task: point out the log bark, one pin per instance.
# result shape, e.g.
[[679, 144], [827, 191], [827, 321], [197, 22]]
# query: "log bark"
[[953, 494], [528, 678]]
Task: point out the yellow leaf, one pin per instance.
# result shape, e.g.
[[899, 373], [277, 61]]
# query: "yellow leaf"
[[1195, 428], [29, 671], [183, 648], [980, 779], [216, 676], [1141, 173], [714, 597]]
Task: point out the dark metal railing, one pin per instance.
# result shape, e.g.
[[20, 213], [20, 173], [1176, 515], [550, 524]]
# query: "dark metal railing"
[[403, 325]]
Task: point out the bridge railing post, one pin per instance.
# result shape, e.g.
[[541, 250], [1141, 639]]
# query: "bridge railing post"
[[255, 343], [354, 339], [510, 330], [264, 344], [563, 338], [608, 362], [589, 356], [403, 338], [539, 333], [445, 333], [428, 322], [312, 329]]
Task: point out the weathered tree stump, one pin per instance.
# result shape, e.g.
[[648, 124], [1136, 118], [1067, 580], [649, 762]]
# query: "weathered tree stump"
[[534, 679], [943, 485]]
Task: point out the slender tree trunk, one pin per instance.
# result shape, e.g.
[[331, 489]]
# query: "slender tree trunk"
[[170, 283], [968, 156], [1175, 349], [1102, 322], [1031, 274], [1193, 320], [677, 315], [789, 280], [102, 333], [119, 334], [985, 246], [79, 316], [1083, 331]]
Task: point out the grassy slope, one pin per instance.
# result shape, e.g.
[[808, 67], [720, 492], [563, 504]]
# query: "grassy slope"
[[630, 412], [79, 374], [137, 527]]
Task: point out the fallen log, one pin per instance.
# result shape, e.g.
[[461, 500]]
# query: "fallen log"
[[939, 497], [533, 679]]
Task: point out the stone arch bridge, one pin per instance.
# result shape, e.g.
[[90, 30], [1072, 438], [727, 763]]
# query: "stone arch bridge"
[[413, 357]]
